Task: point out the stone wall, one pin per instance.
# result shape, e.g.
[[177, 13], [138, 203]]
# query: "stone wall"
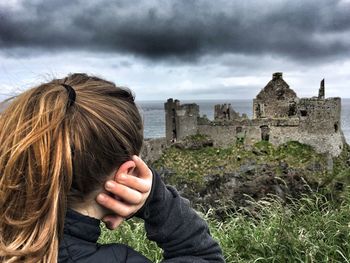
[[225, 112], [275, 100], [228, 133], [152, 149], [170, 118], [180, 120], [222, 135], [278, 116], [279, 132], [322, 143], [320, 116], [186, 120]]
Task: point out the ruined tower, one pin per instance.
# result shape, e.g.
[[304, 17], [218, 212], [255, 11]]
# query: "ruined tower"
[[180, 120], [321, 91], [170, 119], [225, 112]]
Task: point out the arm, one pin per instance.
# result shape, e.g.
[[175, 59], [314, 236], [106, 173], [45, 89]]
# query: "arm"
[[169, 219], [176, 227]]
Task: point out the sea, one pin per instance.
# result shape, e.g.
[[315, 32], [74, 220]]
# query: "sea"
[[154, 115]]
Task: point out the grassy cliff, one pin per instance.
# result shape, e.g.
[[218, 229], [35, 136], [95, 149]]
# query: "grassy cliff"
[[276, 204], [215, 177]]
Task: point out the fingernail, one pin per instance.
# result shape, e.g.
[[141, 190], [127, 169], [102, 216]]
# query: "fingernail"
[[101, 197], [109, 185], [109, 224]]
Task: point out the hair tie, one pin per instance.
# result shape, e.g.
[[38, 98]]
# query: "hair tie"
[[71, 94]]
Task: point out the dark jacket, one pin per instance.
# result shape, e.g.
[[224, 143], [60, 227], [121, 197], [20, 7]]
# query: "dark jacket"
[[169, 221]]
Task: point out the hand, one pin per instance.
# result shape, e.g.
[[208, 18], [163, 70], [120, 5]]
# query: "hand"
[[131, 188]]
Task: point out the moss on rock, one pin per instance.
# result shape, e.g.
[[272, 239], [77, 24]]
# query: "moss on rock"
[[212, 177]]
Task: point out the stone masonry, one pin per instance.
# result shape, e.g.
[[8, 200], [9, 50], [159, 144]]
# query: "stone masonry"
[[279, 115]]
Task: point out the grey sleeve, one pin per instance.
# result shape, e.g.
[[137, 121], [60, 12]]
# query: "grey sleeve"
[[176, 228]]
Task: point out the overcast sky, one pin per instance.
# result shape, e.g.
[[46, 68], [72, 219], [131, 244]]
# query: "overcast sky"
[[186, 49]]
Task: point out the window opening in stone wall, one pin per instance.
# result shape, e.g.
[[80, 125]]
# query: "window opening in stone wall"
[[292, 110], [265, 133], [239, 129], [336, 127], [303, 113], [280, 94], [174, 132], [258, 110], [174, 136]]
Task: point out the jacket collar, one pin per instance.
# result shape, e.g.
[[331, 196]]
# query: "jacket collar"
[[81, 226]]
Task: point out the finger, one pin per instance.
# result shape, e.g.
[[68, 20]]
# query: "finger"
[[141, 166], [134, 182], [118, 207], [126, 193], [112, 221]]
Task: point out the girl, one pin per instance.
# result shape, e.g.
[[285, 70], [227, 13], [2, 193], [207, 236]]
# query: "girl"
[[68, 159]]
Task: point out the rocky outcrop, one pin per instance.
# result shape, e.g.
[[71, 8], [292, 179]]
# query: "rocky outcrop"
[[234, 190], [287, 172]]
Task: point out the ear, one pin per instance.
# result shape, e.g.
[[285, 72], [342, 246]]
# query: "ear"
[[126, 168]]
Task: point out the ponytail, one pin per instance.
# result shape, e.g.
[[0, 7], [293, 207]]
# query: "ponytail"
[[35, 175]]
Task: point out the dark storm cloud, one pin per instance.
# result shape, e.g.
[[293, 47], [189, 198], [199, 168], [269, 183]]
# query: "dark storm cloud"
[[301, 30]]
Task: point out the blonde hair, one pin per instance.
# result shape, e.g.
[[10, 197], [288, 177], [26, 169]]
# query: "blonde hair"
[[52, 155]]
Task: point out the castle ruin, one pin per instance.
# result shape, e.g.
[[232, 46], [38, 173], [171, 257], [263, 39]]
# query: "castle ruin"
[[279, 115]]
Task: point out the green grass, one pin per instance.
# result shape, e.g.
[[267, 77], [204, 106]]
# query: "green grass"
[[207, 160], [191, 167], [308, 230], [311, 229], [132, 233]]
